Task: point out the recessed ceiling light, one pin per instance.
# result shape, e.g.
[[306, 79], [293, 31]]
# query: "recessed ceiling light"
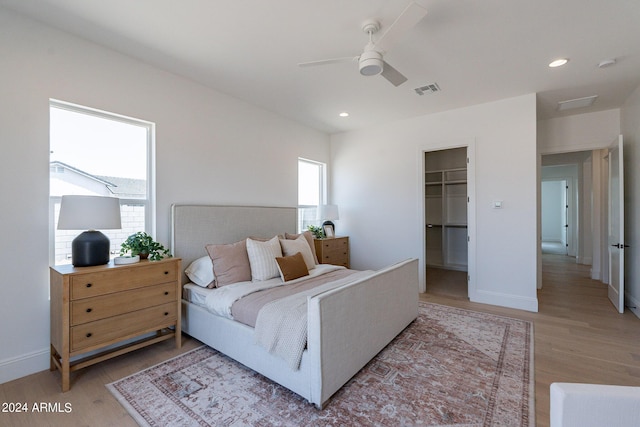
[[344, 114], [558, 62]]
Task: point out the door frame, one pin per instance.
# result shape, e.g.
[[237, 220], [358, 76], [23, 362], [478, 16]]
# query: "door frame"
[[599, 240], [470, 144]]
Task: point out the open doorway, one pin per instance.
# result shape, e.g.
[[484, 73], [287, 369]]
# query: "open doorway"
[[555, 216], [446, 221], [574, 209]]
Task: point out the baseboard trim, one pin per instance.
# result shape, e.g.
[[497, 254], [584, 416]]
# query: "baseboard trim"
[[633, 304], [23, 365], [505, 300], [585, 260]]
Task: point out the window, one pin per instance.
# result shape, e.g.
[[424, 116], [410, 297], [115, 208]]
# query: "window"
[[98, 153], [311, 191]]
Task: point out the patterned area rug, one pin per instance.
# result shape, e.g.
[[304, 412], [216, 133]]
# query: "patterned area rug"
[[450, 367]]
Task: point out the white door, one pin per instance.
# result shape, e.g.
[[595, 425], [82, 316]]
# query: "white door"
[[616, 225]]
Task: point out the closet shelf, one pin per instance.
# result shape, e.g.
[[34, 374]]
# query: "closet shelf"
[[446, 204]]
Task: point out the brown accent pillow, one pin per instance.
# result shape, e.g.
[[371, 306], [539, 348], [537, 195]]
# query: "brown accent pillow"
[[307, 235], [292, 267], [230, 263]]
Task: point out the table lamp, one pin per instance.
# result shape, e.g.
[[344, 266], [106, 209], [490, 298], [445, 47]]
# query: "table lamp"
[[89, 213], [328, 213]]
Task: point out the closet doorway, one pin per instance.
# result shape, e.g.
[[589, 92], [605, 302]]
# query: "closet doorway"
[[446, 196]]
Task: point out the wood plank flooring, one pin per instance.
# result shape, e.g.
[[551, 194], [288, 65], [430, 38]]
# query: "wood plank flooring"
[[579, 337]]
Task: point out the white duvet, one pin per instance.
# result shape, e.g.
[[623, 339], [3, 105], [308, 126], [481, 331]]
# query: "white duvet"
[[220, 300]]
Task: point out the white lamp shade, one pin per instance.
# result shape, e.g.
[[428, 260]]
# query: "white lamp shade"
[[328, 212], [89, 213]]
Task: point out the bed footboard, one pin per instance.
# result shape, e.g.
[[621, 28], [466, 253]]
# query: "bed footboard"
[[349, 325]]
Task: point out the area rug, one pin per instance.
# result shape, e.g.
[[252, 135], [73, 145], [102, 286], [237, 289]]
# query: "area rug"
[[450, 367]]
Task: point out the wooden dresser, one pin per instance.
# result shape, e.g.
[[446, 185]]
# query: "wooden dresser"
[[333, 250], [93, 308]]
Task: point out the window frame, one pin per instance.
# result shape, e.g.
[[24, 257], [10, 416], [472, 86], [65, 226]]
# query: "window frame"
[[149, 202], [322, 190]]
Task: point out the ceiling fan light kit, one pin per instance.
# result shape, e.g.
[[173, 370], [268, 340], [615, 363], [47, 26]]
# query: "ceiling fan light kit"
[[371, 61]]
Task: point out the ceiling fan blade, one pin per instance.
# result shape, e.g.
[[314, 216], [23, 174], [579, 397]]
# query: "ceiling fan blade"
[[408, 19], [394, 76], [328, 61]]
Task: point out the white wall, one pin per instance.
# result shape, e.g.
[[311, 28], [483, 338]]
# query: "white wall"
[[580, 132], [211, 148], [378, 187], [630, 122]]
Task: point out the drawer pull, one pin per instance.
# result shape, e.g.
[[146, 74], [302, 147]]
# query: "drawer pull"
[[89, 285], [166, 292], [166, 272], [166, 313], [89, 310], [89, 334]]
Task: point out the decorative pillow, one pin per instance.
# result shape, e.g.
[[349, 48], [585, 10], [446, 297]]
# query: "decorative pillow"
[[292, 267], [291, 247], [309, 236], [230, 263], [200, 272], [262, 258]]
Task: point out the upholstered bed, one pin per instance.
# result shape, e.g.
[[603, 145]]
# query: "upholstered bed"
[[346, 326]]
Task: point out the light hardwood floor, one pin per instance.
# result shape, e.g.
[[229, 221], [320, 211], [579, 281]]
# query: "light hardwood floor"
[[578, 338]]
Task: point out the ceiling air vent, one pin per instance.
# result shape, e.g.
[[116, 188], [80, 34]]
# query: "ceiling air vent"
[[430, 88]]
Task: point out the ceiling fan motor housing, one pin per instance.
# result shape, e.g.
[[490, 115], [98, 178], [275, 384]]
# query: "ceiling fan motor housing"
[[370, 63]]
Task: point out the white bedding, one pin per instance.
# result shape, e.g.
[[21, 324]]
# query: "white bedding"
[[195, 293], [220, 300], [281, 326]]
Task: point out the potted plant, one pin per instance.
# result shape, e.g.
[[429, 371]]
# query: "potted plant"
[[143, 244], [317, 232]]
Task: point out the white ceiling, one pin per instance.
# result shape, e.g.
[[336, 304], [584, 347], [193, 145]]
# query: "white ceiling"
[[476, 50]]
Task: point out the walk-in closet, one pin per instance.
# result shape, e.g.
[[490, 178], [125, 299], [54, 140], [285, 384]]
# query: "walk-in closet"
[[445, 184]]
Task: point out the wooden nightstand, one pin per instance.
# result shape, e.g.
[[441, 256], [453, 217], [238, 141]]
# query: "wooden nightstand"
[[333, 250], [96, 307]]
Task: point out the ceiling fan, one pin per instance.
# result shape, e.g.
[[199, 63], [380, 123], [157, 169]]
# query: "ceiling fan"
[[370, 61]]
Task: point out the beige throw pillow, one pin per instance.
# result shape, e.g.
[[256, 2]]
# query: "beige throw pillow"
[[291, 247], [309, 237]]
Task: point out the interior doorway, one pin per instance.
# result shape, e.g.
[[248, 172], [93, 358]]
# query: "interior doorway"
[[574, 192], [446, 221], [555, 216]]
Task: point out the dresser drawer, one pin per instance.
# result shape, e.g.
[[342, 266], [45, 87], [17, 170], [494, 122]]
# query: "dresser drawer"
[[91, 309], [116, 328], [333, 251], [120, 279]]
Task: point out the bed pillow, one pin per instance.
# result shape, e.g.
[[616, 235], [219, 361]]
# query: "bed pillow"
[[292, 267], [309, 236], [291, 247], [200, 272], [230, 263], [262, 258]]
